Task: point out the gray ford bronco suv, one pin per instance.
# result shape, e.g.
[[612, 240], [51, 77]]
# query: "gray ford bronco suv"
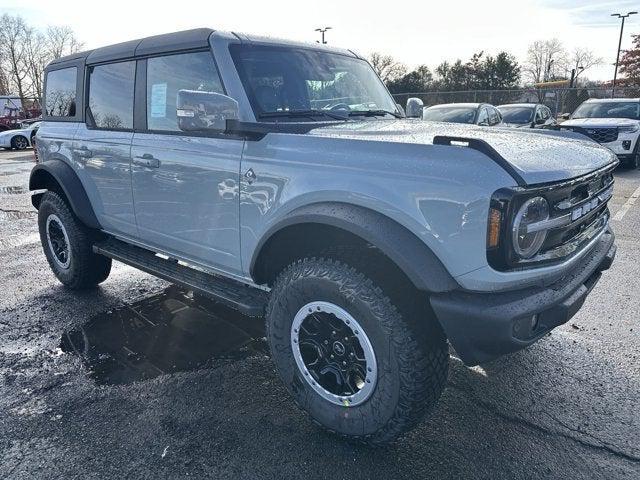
[[283, 180]]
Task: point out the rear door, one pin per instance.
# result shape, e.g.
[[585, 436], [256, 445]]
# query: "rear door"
[[102, 145], [185, 184]]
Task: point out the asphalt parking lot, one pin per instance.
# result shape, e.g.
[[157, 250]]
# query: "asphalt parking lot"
[[138, 379]]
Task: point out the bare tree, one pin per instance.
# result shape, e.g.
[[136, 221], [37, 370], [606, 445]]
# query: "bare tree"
[[61, 41], [581, 60], [387, 68], [13, 34], [25, 52], [546, 60]]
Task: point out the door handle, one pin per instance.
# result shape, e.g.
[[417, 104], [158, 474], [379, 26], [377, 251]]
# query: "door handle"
[[146, 160]]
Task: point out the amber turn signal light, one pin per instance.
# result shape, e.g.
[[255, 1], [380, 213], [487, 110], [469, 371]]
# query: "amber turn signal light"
[[493, 229]]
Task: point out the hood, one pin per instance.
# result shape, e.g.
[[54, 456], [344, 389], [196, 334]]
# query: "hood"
[[599, 122], [536, 157]]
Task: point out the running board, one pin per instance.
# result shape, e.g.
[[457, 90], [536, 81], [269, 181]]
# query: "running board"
[[244, 298]]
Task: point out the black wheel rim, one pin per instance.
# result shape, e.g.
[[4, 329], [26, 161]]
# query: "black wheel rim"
[[58, 241], [21, 143], [334, 353]]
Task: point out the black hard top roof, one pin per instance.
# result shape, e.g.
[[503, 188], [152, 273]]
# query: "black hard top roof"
[[168, 42]]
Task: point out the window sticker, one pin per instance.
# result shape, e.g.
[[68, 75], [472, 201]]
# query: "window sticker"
[[159, 100]]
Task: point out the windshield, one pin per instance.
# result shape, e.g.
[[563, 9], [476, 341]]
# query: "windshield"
[[283, 80], [608, 110], [519, 115], [450, 114]]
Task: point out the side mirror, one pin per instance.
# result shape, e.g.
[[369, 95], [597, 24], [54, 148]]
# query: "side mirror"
[[414, 108], [208, 111], [565, 116], [540, 121]]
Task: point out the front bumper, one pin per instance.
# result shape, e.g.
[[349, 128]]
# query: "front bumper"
[[483, 326]]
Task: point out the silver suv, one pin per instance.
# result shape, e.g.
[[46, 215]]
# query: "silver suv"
[[282, 179]]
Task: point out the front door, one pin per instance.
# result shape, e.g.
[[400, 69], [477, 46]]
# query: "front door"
[[185, 186]]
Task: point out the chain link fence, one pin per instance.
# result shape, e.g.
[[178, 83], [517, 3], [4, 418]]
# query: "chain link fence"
[[559, 100]]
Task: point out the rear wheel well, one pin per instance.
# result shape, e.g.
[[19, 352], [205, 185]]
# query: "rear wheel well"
[[43, 180]]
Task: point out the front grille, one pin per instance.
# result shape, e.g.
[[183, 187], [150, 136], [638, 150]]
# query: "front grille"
[[600, 135], [584, 205]]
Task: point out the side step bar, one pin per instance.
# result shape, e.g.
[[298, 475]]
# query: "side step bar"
[[248, 300]]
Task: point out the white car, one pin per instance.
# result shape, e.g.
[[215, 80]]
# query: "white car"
[[19, 139], [612, 122]]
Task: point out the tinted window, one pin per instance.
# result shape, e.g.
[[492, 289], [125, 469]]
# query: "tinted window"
[[608, 110], [450, 114], [111, 95], [518, 115], [494, 116], [483, 117], [282, 79], [167, 75], [61, 93]]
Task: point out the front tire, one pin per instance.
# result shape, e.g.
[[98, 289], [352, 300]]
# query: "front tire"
[[67, 244], [321, 313]]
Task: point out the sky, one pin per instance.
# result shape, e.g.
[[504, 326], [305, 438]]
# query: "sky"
[[414, 32]]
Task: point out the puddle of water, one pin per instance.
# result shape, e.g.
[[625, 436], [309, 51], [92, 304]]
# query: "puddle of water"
[[166, 333], [13, 190], [16, 214]]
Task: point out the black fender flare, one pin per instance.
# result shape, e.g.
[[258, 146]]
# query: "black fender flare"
[[71, 186], [406, 250]]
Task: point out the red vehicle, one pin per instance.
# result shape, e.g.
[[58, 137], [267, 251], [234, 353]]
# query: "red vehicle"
[[13, 112]]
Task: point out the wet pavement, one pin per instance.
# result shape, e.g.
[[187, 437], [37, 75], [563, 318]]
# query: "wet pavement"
[[165, 333], [140, 379]]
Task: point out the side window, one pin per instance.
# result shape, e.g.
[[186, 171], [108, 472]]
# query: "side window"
[[539, 113], [111, 95], [494, 116], [483, 117], [167, 75], [60, 95]]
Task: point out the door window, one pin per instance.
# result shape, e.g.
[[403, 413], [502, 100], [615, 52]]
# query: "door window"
[[483, 117], [167, 75], [60, 95], [111, 95], [494, 116]]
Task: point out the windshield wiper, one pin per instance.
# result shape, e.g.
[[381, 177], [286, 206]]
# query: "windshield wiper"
[[373, 113], [302, 113]]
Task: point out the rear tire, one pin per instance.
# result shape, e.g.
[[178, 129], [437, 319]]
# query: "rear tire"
[[67, 244], [19, 142], [410, 361]]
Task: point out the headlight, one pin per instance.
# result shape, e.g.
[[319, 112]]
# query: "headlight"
[[628, 129], [526, 244]]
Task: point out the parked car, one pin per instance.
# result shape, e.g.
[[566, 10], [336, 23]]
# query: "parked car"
[[471, 113], [612, 122], [19, 139], [526, 115], [281, 179]]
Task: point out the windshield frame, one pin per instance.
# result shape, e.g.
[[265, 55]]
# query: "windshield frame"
[[610, 104], [297, 115]]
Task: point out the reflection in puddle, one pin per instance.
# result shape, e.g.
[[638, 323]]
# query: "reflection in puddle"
[[169, 332], [16, 214], [13, 190]]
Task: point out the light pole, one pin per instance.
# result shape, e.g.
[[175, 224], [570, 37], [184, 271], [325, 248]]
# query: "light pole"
[[322, 31], [615, 73]]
